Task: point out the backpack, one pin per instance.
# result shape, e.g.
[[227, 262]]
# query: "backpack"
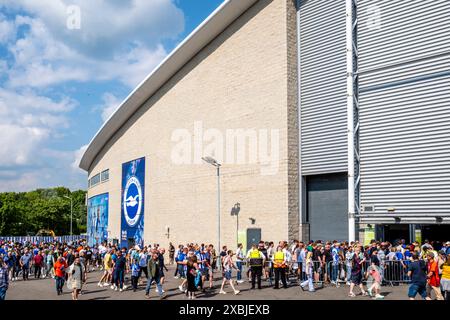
[[198, 278]]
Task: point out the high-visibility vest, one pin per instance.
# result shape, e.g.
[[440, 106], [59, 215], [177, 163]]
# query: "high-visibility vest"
[[278, 259], [255, 258]]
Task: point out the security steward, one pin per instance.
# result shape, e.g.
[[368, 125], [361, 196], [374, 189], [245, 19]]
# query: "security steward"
[[279, 267], [256, 260]]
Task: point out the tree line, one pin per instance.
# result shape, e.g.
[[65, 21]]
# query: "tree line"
[[25, 213]]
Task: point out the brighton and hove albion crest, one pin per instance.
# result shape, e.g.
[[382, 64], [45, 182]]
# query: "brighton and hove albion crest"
[[132, 201]]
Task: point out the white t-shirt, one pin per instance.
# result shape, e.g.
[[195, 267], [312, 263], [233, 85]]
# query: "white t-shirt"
[[293, 248], [288, 255], [239, 255], [270, 252]]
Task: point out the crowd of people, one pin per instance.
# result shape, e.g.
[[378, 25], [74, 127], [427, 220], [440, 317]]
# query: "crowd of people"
[[310, 265]]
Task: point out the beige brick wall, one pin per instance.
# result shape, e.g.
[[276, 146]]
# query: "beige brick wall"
[[240, 80]]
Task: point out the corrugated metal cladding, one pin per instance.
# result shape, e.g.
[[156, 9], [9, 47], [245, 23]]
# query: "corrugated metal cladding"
[[404, 64], [323, 87]]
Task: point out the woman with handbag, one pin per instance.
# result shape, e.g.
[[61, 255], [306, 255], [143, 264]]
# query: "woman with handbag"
[[308, 270], [191, 274], [356, 278], [77, 277]]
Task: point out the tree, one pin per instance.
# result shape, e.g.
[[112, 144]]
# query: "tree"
[[28, 212]]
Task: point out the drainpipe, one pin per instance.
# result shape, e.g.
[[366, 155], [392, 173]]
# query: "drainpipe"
[[350, 121]]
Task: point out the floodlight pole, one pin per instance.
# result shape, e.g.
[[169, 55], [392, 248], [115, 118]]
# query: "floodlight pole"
[[216, 164], [218, 208], [71, 213]]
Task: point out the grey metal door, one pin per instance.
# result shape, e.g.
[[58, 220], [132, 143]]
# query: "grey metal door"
[[327, 207], [253, 237]]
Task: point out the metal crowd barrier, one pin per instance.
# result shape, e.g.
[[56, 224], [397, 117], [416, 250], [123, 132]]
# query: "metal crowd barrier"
[[295, 271], [392, 272], [43, 239]]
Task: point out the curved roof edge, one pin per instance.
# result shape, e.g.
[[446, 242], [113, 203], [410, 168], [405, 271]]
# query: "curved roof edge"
[[209, 29]]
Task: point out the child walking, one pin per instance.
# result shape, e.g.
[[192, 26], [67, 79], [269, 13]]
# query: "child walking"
[[135, 274], [374, 273]]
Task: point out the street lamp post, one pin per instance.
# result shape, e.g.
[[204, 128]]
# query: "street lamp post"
[[71, 212], [216, 164]]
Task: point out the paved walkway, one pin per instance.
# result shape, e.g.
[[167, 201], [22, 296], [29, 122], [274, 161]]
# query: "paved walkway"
[[44, 289]]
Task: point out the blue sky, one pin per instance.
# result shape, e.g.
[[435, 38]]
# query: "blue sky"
[[63, 73]]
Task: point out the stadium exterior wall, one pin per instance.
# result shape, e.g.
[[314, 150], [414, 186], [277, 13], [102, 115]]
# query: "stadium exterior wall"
[[245, 78]]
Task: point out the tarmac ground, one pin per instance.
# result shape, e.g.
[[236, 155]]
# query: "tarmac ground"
[[44, 289]]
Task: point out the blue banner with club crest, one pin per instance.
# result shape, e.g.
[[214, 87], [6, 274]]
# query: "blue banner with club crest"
[[133, 190]]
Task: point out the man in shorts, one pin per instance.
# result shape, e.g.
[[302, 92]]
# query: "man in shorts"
[[209, 263], [417, 273], [203, 263], [317, 259]]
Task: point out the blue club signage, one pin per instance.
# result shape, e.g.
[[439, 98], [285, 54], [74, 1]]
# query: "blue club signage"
[[133, 186]]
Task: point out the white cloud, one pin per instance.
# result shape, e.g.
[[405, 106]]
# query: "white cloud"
[[19, 144], [44, 120], [7, 29], [78, 154], [63, 171], [110, 104], [132, 68], [41, 61], [20, 101], [119, 40], [106, 25], [22, 182], [27, 122]]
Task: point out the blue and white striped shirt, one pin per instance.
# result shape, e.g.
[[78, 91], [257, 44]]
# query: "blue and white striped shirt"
[[4, 280]]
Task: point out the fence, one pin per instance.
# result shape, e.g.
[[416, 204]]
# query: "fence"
[[391, 272], [43, 239]]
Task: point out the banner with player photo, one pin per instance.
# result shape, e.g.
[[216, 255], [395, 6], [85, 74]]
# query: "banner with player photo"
[[97, 224]]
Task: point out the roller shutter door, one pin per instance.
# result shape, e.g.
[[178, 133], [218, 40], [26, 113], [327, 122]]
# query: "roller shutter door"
[[404, 64], [327, 207]]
